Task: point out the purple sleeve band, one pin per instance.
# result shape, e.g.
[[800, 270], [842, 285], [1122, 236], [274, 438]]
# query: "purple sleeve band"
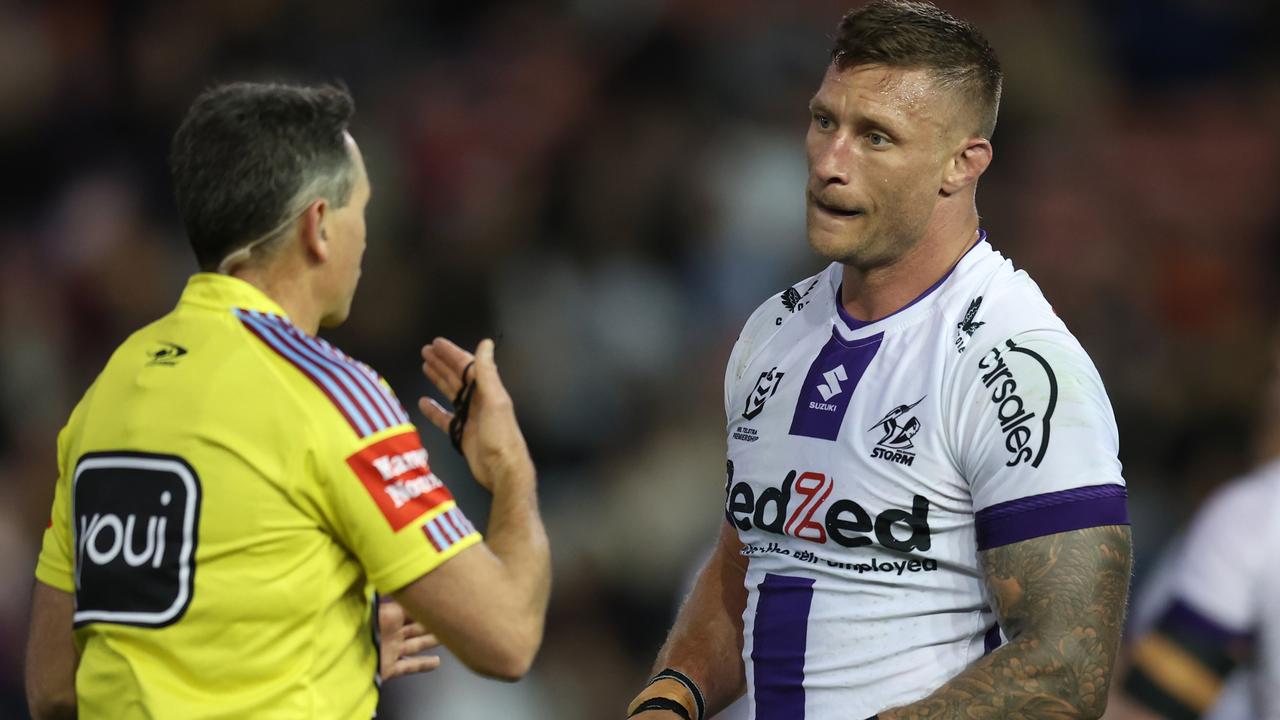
[[1062, 511], [1182, 617]]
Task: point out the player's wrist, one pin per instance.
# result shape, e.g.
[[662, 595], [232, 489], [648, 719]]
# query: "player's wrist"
[[666, 707], [673, 692]]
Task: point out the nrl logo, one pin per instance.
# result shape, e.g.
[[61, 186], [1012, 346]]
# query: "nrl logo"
[[765, 387]]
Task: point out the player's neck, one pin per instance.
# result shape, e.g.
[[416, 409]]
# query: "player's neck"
[[875, 293], [290, 290]]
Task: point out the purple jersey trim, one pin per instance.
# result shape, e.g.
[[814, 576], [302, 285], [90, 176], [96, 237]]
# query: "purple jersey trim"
[[854, 324], [779, 638], [992, 640], [829, 385], [1181, 617], [1062, 511]]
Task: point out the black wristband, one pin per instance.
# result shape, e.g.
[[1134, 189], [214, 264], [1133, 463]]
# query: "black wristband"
[[688, 684], [461, 408], [662, 703]]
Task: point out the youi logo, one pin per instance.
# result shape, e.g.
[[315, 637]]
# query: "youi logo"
[[136, 524]]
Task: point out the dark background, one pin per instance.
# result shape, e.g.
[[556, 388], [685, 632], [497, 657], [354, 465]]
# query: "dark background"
[[610, 187]]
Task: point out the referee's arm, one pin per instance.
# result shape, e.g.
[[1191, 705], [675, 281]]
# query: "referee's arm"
[[51, 655], [487, 604]]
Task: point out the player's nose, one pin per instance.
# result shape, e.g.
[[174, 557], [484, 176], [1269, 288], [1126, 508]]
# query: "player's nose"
[[831, 163]]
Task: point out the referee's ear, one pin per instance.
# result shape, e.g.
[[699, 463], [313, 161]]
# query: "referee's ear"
[[311, 231], [966, 166]]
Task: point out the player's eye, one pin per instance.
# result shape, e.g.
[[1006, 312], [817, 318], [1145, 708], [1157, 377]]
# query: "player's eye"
[[823, 122], [877, 139]]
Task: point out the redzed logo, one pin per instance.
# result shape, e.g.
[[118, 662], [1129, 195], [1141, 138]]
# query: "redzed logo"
[[396, 474], [814, 488]]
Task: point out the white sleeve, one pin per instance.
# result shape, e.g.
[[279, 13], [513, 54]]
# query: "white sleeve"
[[762, 324], [1269, 644], [1225, 558], [1035, 437], [732, 372]]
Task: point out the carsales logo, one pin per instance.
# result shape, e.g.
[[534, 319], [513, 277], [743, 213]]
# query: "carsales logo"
[[398, 478]]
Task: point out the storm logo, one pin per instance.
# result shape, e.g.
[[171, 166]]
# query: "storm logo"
[[895, 444]]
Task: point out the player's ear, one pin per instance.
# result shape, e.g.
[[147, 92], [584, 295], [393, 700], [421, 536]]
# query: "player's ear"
[[966, 165], [311, 229]]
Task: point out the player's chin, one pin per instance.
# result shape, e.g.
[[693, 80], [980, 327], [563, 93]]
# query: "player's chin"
[[836, 244]]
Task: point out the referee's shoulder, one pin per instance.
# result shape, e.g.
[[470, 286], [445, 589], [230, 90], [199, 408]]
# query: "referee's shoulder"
[[361, 397]]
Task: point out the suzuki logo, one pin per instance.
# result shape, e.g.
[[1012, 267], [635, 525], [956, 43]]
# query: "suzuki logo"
[[832, 386]]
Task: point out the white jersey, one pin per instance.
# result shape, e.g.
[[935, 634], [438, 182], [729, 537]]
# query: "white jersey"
[[1225, 590], [1154, 602], [870, 463]]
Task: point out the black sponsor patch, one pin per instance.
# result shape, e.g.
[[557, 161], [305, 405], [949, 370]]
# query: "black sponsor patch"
[[136, 521]]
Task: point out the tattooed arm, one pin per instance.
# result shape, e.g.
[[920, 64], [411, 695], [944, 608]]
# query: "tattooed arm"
[[1060, 599]]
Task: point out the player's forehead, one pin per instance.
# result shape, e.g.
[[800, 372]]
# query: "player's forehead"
[[904, 95]]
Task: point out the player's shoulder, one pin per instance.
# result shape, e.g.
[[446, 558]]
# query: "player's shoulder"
[[327, 381], [997, 308], [1228, 549], [1251, 500], [780, 310], [787, 305], [995, 300]]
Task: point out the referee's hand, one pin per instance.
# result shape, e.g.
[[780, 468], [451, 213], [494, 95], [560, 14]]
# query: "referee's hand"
[[491, 439], [401, 640]]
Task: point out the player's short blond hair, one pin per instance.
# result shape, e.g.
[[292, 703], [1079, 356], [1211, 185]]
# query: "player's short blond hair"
[[901, 33]]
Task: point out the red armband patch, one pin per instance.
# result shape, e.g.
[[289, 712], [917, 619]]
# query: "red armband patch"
[[396, 474]]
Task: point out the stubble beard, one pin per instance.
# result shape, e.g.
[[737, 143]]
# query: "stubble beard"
[[867, 251]]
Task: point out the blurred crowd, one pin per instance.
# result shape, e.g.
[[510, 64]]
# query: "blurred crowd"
[[609, 188]]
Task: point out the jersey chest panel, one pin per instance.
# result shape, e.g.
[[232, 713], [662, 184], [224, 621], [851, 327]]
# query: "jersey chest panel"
[[838, 458]]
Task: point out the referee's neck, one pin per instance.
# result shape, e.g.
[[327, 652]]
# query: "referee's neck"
[[295, 292]]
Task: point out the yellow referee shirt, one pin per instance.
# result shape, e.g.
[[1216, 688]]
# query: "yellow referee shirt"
[[231, 490]]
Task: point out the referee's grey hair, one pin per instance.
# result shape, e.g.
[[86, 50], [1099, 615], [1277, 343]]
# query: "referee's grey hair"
[[249, 157]]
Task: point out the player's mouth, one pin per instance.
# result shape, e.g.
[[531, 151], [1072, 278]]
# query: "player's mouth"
[[832, 210]]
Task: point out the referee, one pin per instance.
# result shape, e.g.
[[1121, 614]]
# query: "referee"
[[234, 492]]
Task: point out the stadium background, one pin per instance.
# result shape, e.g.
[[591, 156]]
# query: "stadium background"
[[610, 187]]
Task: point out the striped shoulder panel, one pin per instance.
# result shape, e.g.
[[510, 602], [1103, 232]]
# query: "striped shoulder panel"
[[447, 529], [353, 387]]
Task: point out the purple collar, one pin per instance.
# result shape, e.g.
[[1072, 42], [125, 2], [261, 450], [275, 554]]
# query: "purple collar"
[[856, 324]]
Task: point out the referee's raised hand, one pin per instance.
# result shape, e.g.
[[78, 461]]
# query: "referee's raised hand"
[[487, 604], [490, 437]]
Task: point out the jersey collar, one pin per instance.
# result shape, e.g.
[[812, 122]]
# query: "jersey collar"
[[853, 326], [223, 292]]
